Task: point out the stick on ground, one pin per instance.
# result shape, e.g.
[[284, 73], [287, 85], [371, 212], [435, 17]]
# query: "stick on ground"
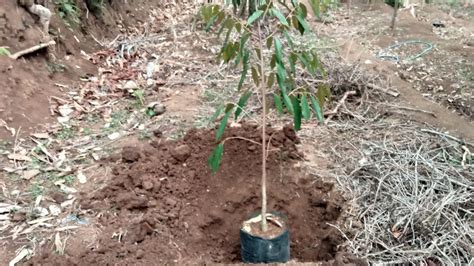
[[35, 48]]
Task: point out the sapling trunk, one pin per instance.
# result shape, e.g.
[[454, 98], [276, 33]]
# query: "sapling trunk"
[[264, 127]]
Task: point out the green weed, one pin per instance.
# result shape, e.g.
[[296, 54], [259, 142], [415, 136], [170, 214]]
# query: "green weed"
[[118, 118], [65, 133], [36, 190], [144, 134], [4, 51], [95, 6], [68, 11]]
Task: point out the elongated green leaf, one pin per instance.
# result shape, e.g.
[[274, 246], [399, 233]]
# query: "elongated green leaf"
[[305, 63], [275, 12], [255, 76], [305, 111], [281, 76], [243, 40], [218, 111], [303, 23], [292, 59], [288, 39], [223, 124], [222, 28], [322, 93], [238, 27], [259, 53], [271, 80], [269, 42], [278, 103], [296, 112], [304, 10], [317, 109], [273, 61], [4, 51], [315, 6], [210, 23], [230, 27], [241, 103], [257, 14], [278, 50], [215, 159], [244, 70]]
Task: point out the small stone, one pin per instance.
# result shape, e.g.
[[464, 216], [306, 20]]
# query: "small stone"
[[148, 185], [18, 217], [150, 83], [181, 153], [129, 85], [159, 109], [58, 197], [252, 148], [140, 253], [54, 210], [170, 202]]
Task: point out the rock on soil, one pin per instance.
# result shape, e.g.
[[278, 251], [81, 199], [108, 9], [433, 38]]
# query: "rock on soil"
[[167, 211]]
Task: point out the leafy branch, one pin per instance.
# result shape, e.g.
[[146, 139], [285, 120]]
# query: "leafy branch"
[[271, 57]]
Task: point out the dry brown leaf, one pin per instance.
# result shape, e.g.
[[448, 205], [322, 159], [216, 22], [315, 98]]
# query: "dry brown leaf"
[[30, 173], [40, 135], [19, 157]]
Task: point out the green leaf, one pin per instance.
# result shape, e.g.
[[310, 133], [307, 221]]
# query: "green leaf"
[[243, 40], [273, 61], [322, 93], [317, 109], [305, 111], [254, 17], [278, 103], [296, 112], [215, 159], [238, 27], [4, 51], [255, 76], [288, 39], [278, 50], [270, 80], [218, 111], [275, 12], [244, 70], [292, 59], [303, 9], [210, 23], [281, 76], [315, 6], [241, 103], [223, 124], [303, 23], [230, 27], [269, 42], [259, 53]]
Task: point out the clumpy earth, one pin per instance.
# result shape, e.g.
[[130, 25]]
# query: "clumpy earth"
[[163, 205]]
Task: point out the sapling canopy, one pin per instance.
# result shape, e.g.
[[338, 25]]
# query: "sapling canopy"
[[263, 46]]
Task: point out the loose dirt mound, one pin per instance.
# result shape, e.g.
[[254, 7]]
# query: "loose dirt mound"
[[164, 206]]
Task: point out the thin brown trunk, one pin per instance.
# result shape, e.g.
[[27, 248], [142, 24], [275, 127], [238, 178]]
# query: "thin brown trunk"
[[264, 127]]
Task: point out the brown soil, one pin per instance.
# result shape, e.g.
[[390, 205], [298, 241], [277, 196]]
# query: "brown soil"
[[28, 83], [163, 205]]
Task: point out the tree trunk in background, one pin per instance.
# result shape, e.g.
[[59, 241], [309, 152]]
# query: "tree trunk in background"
[[394, 17]]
